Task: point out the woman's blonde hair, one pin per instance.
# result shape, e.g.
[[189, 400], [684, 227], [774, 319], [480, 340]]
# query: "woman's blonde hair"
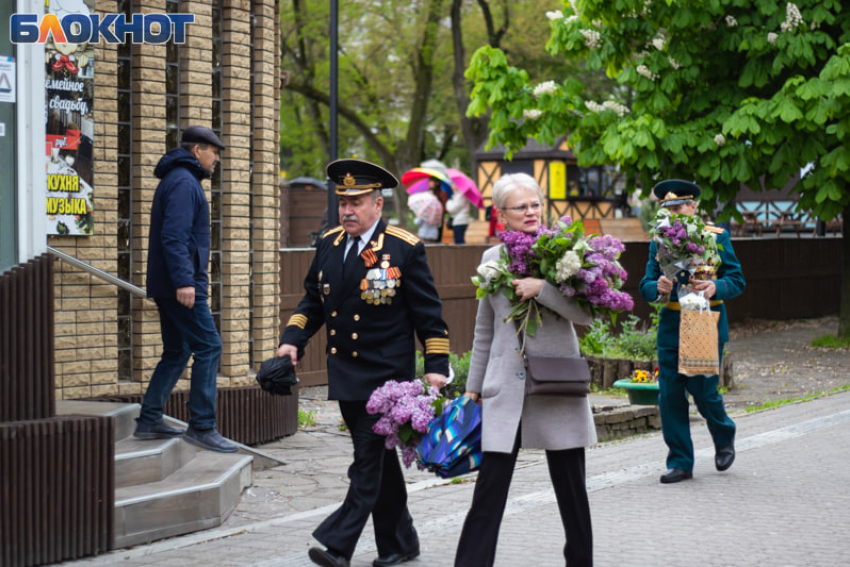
[[510, 182]]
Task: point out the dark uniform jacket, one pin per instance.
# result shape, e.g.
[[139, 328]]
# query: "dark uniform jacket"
[[730, 283], [371, 315], [179, 247]]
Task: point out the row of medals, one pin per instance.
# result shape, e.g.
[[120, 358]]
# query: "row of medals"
[[381, 288]]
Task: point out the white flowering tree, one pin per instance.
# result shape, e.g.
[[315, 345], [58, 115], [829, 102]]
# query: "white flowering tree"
[[722, 92]]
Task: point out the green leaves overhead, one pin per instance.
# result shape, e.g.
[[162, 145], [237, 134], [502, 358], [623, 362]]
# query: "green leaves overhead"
[[723, 92]]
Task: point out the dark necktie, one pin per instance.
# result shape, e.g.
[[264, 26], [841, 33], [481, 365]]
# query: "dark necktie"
[[351, 257]]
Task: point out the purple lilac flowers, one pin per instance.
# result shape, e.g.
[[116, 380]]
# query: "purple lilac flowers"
[[595, 284], [407, 408]]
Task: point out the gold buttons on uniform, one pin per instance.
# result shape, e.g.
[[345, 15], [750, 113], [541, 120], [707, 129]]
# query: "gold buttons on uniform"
[[354, 354], [333, 350], [333, 313], [357, 317], [333, 332], [354, 336]]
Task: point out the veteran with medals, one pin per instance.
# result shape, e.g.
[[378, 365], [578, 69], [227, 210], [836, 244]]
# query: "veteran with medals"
[[680, 197], [370, 286]]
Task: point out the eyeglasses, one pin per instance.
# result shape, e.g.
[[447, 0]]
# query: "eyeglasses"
[[524, 208]]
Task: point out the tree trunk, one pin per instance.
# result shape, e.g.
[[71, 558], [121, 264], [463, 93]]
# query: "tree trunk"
[[474, 130], [844, 309]]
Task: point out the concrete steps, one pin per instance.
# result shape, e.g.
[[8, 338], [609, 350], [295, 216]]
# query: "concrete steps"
[[165, 487]]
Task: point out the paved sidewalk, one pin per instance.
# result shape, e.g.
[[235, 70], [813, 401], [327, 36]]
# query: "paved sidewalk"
[[784, 502]]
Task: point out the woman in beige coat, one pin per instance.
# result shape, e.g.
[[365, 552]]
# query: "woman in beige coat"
[[562, 425]]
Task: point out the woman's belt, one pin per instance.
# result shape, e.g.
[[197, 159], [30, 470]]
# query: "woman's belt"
[[674, 305]]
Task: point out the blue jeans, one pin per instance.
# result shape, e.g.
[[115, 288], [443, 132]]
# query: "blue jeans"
[[185, 332]]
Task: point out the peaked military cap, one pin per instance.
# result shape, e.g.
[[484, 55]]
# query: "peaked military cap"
[[672, 192], [200, 135], [357, 177]]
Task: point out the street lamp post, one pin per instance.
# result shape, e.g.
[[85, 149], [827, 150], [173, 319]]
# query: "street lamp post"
[[333, 211]]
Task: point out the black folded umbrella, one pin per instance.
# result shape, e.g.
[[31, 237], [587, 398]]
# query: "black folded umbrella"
[[277, 376]]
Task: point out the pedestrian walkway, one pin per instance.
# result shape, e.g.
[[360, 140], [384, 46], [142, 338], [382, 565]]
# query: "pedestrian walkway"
[[784, 502]]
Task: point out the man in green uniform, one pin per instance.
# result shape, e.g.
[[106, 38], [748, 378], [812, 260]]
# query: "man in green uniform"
[[680, 198]]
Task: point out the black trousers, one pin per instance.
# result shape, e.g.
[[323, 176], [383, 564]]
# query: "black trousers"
[[477, 545], [377, 487]]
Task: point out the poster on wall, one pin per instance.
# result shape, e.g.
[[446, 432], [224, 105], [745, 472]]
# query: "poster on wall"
[[69, 116]]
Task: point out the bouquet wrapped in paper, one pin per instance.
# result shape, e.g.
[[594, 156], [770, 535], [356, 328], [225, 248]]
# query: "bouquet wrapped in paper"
[[684, 244]]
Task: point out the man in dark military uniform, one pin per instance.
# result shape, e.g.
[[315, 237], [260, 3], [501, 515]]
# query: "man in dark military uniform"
[[370, 285], [680, 197]]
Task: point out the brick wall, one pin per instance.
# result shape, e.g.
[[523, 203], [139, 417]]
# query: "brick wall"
[[86, 309]]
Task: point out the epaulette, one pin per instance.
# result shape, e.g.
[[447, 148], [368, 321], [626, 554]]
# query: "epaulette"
[[714, 229], [332, 231], [402, 234], [339, 232]]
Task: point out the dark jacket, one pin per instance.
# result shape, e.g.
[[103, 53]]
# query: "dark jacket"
[[371, 341], [179, 246]]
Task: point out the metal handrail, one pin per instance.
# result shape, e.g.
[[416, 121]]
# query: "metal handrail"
[[98, 273]]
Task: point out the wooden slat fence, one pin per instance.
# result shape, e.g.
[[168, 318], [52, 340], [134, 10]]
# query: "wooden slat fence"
[[57, 497], [247, 415], [27, 374], [786, 278]]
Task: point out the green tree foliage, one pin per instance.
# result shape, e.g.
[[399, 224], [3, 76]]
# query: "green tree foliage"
[[723, 92], [402, 93]]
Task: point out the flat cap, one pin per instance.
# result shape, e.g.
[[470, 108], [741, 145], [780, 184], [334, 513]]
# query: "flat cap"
[[200, 135], [672, 192], [357, 177]]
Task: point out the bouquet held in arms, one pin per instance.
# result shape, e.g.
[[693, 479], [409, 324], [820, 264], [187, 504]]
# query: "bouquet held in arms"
[[407, 408], [683, 244], [586, 268]]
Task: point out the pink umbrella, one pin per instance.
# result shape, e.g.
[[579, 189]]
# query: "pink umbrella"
[[420, 175], [461, 182], [426, 206]]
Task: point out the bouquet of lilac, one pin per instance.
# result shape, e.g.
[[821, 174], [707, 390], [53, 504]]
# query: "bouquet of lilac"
[[683, 243], [407, 408], [586, 268]]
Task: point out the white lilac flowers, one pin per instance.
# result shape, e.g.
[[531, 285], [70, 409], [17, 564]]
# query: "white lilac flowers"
[[731, 21], [489, 271], [771, 38], [567, 266], [720, 139], [548, 87], [532, 114], [556, 15]]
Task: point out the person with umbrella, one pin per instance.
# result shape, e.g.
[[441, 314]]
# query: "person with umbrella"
[[452, 182], [429, 211]]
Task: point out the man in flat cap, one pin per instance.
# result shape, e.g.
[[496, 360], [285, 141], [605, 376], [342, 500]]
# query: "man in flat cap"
[[371, 287], [177, 281], [680, 197]]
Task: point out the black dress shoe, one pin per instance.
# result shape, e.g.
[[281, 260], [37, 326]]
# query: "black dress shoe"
[[724, 457], [397, 558], [675, 475], [327, 558]]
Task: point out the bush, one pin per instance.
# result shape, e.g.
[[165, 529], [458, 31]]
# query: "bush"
[[632, 342], [460, 365]]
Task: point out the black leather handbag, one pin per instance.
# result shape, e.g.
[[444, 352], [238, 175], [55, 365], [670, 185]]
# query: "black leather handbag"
[[556, 376]]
